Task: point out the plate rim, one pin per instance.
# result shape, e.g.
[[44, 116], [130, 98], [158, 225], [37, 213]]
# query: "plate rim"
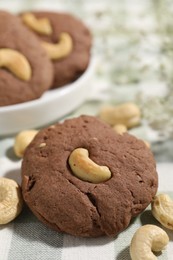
[[50, 94]]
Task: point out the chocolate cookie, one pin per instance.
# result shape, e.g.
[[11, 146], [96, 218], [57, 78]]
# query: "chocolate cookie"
[[70, 43], [25, 70], [82, 208]]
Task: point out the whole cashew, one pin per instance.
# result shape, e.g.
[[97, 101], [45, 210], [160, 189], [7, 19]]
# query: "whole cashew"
[[11, 201], [22, 140], [162, 210], [148, 238], [61, 49], [127, 114], [87, 170], [42, 25], [15, 62]]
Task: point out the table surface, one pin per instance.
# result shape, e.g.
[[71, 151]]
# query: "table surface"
[[132, 44]]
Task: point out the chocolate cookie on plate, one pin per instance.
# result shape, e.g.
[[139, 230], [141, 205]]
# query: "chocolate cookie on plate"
[[25, 70], [67, 41], [82, 178]]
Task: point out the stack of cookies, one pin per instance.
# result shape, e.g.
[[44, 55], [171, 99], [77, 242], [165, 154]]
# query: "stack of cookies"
[[40, 51]]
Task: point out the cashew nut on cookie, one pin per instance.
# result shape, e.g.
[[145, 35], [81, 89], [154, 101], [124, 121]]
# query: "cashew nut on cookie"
[[16, 63], [61, 49], [148, 238], [11, 201], [162, 210], [22, 140], [42, 25], [87, 170]]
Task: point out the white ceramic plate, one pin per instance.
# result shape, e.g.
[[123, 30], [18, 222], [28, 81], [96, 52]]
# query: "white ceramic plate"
[[53, 105]]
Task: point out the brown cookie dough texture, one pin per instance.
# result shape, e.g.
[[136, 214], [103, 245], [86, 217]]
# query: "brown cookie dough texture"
[[69, 68], [68, 204], [15, 36]]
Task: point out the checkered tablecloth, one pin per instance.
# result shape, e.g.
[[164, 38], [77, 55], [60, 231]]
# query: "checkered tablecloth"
[[26, 238]]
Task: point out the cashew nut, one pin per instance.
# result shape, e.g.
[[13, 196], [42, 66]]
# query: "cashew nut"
[[61, 49], [15, 62], [42, 145], [120, 129], [162, 210], [42, 25], [11, 201], [127, 114], [87, 170], [147, 143], [22, 140], [148, 238]]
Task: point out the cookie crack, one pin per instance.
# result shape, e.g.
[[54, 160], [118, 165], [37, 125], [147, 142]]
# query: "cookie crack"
[[136, 207], [74, 186], [93, 201], [132, 194], [30, 183], [87, 194]]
